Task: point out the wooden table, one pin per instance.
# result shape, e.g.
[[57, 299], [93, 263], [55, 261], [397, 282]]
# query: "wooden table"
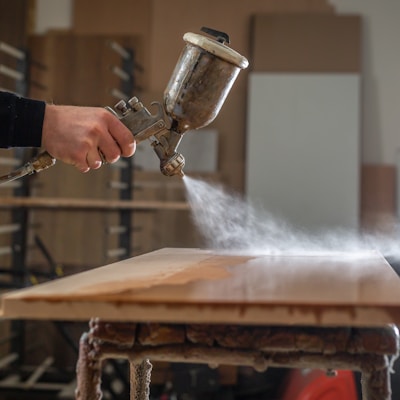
[[331, 311]]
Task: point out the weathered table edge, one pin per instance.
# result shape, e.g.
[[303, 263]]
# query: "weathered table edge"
[[266, 314]]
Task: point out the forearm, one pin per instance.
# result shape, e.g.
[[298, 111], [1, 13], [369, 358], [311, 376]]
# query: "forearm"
[[21, 121]]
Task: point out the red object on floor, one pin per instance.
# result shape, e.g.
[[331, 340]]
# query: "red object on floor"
[[316, 385]]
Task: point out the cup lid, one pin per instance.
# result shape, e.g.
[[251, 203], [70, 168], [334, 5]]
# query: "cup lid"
[[217, 48]]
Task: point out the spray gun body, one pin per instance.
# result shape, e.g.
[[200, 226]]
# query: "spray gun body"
[[197, 89], [157, 127]]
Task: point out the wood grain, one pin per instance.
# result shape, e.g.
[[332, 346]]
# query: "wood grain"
[[202, 286]]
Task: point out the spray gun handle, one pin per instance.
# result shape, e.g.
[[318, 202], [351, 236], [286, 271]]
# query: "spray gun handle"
[[135, 116]]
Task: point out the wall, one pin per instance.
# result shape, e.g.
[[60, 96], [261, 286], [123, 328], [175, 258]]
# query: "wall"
[[381, 83]]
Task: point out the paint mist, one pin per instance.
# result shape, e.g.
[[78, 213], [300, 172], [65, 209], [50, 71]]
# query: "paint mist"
[[228, 222]]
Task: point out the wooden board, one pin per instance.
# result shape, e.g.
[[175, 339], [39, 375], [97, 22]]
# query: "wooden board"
[[201, 286]]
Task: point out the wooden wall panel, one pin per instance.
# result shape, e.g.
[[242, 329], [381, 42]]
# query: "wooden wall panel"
[[124, 18], [14, 21], [306, 43], [78, 67], [378, 198], [235, 19], [13, 31]]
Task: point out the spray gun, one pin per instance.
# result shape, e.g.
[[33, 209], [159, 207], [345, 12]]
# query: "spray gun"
[[197, 89]]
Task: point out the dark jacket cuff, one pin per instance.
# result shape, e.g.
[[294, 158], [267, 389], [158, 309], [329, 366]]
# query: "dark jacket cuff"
[[22, 121]]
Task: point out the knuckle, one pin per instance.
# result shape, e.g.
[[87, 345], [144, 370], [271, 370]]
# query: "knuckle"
[[94, 130], [105, 116]]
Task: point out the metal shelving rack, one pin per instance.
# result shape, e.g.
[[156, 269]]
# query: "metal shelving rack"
[[42, 380], [124, 185], [14, 376], [17, 72]]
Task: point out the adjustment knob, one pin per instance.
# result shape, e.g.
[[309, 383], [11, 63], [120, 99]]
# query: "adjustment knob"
[[121, 106], [135, 104]]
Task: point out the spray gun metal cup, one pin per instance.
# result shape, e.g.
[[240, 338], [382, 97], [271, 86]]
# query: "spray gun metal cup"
[[201, 81]]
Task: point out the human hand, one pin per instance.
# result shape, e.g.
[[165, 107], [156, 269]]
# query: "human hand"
[[85, 136]]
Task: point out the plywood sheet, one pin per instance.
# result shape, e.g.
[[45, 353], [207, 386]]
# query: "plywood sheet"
[[306, 43], [233, 18], [192, 285], [378, 197]]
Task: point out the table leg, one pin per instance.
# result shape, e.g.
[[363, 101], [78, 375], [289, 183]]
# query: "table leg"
[[88, 372], [376, 385], [140, 377]]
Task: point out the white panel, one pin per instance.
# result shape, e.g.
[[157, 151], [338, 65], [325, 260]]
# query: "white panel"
[[52, 14], [199, 147], [303, 148]]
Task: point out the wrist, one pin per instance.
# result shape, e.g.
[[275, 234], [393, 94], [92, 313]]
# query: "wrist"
[[49, 123]]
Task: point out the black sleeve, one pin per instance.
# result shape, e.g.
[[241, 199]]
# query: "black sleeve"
[[21, 121]]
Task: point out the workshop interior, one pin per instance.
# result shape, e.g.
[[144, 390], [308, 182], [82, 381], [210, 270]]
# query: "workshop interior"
[[290, 105]]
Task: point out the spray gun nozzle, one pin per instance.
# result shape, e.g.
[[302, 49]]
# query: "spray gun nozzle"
[[173, 166]]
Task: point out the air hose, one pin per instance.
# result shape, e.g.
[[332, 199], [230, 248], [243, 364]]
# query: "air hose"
[[42, 161]]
